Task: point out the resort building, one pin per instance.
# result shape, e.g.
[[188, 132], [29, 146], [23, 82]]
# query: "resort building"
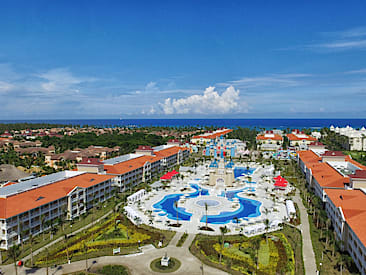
[[340, 181], [356, 138], [347, 211], [205, 138], [300, 140], [32, 206], [224, 148], [269, 140], [133, 169]]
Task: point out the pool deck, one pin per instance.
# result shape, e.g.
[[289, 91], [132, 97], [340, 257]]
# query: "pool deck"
[[263, 188]]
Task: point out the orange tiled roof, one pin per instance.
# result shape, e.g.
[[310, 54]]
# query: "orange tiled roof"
[[293, 137], [327, 176], [129, 165], [353, 204], [359, 165], [264, 137], [25, 201], [308, 157], [136, 163], [215, 135]]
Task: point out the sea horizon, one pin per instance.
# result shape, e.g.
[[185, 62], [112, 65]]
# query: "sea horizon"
[[267, 123]]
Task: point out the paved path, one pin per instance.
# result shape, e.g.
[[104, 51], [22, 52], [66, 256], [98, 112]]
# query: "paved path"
[[138, 264], [176, 238], [307, 247]]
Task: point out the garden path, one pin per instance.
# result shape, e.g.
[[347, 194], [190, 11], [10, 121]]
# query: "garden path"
[[307, 247]]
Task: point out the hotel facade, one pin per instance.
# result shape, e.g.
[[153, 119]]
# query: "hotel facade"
[[340, 183], [32, 206]]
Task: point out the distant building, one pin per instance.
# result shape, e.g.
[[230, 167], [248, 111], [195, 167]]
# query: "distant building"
[[356, 138], [299, 140], [269, 141]]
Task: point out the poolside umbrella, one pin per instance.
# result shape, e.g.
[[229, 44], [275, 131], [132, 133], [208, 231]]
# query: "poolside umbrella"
[[278, 178], [174, 172]]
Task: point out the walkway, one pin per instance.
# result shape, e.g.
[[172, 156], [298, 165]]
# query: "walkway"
[[307, 247], [138, 264]]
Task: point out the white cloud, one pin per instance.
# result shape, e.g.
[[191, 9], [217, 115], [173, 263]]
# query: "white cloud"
[[342, 45], [61, 80], [275, 80], [5, 86], [210, 102]]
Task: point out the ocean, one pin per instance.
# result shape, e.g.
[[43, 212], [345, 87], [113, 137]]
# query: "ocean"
[[230, 123]]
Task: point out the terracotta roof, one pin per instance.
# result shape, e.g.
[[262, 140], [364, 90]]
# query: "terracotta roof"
[[349, 159], [316, 143], [359, 174], [144, 148], [136, 163], [308, 157], [215, 135], [129, 165], [274, 137], [90, 161], [327, 176], [353, 204], [25, 201], [333, 154], [293, 137]]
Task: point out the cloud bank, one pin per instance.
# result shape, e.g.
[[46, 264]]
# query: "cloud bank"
[[210, 102]]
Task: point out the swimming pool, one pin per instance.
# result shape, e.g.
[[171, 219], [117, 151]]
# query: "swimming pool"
[[167, 204], [248, 209], [239, 171]]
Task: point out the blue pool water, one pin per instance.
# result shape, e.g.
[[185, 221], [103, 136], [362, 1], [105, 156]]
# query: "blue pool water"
[[239, 171], [167, 204], [248, 208]]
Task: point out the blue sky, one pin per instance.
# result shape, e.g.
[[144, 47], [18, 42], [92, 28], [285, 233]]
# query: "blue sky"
[[177, 59]]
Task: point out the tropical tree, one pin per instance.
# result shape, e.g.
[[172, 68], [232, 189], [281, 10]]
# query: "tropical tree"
[[266, 223], [86, 258], [31, 241], [223, 230], [67, 247], [206, 208], [14, 253], [43, 218], [176, 208], [236, 221]]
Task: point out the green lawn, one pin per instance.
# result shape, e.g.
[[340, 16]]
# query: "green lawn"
[[263, 253]]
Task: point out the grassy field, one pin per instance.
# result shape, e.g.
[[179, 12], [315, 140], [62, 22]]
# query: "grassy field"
[[241, 254]]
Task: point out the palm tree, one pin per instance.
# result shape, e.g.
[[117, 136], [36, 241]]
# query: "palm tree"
[[67, 247], [266, 223], [47, 255], [42, 224], [223, 230], [14, 253], [237, 221], [206, 208], [176, 208], [31, 240], [86, 258]]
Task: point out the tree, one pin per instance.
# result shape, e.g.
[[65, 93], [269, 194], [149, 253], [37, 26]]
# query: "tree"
[[266, 223], [223, 230], [67, 247], [14, 253], [43, 218], [206, 208], [86, 257], [31, 241], [176, 208]]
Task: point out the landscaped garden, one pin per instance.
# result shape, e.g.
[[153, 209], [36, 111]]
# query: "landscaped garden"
[[259, 255], [116, 232]]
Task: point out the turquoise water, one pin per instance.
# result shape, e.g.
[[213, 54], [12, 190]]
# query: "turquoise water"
[[167, 204], [239, 171], [248, 209]]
